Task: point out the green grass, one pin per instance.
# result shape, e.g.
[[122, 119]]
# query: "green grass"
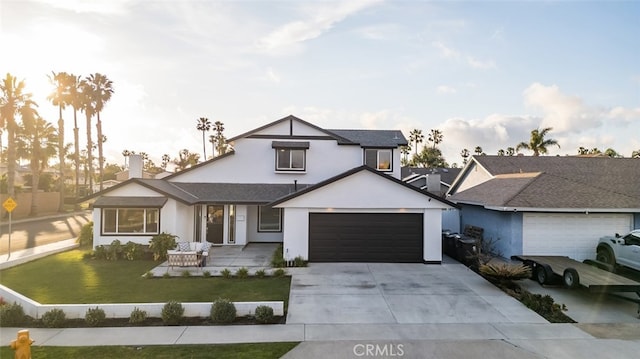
[[249, 351], [68, 278]]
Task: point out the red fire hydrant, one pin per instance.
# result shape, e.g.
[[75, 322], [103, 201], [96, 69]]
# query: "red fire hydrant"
[[22, 345]]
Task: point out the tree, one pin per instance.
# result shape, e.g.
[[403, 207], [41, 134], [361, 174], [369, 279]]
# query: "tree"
[[478, 150], [635, 154], [110, 171], [165, 161], [416, 136], [203, 125], [126, 154], [537, 143], [59, 97], [12, 100], [582, 151], [75, 100], [430, 158], [465, 156], [405, 151], [38, 141], [501, 152], [511, 151], [610, 152], [219, 140], [436, 137], [88, 107], [185, 159], [101, 91]]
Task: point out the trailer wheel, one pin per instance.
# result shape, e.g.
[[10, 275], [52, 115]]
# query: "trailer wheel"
[[571, 278], [544, 274]]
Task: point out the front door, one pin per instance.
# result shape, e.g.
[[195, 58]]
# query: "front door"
[[215, 224]]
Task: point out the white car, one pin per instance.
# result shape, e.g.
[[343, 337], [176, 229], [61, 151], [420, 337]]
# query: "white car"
[[620, 250]]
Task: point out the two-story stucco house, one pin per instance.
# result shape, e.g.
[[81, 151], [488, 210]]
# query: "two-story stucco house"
[[328, 195]]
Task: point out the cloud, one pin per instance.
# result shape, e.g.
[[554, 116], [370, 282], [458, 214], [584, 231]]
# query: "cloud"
[[478, 64], [84, 6], [322, 17], [444, 89], [445, 51], [448, 52], [272, 76]]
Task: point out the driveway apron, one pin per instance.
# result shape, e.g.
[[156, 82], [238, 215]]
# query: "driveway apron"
[[367, 293]]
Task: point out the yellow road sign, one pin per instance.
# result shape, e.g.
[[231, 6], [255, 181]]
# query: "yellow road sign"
[[9, 204]]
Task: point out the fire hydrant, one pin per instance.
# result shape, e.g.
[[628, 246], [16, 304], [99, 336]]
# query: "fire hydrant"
[[22, 345]]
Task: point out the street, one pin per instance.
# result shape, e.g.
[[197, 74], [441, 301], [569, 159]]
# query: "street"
[[31, 233]]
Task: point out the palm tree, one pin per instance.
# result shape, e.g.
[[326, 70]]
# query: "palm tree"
[[75, 100], [405, 151], [465, 155], [212, 141], [12, 100], [203, 125], [38, 141], [582, 151], [220, 140], [511, 151], [478, 150], [501, 152], [88, 107], [185, 159], [635, 154], [416, 137], [101, 91], [126, 154], [165, 161], [59, 98], [537, 143], [436, 137]]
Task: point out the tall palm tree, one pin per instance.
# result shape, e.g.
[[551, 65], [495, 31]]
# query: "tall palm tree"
[[13, 99], [165, 161], [416, 137], [38, 141], [126, 154], [101, 91], [436, 137], [220, 140], [537, 143], [88, 107], [203, 125], [74, 99], [59, 98]]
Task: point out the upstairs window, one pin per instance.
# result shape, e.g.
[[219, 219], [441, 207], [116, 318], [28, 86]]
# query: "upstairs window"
[[380, 159], [290, 156]]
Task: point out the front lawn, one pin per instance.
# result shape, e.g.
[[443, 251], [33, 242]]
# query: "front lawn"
[[249, 351], [68, 278]]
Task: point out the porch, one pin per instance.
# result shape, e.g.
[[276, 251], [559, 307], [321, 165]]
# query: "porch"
[[253, 256]]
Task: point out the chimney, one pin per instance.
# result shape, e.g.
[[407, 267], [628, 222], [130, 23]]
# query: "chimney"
[[135, 166], [433, 183]]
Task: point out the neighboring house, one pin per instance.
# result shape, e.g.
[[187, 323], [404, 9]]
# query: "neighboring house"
[[439, 179], [327, 195], [549, 205]]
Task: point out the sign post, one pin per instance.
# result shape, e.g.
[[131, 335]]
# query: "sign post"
[[9, 205]]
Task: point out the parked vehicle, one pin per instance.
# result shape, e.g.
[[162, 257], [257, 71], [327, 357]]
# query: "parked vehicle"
[[620, 250]]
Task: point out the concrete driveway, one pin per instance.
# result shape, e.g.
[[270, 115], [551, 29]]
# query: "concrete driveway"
[[367, 293]]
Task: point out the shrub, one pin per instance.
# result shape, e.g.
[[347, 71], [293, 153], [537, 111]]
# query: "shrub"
[[242, 272], [55, 318], [206, 274], [226, 273], [280, 272], [137, 316], [264, 314], [133, 251], [546, 307], [160, 244], [223, 311], [505, 271], [85, 239], [95, 317], [114, 251], [100, 252], [11, 315], [299, 262], [260, 273], [166, 275], [186, 273], [277, 260], [172, 313]]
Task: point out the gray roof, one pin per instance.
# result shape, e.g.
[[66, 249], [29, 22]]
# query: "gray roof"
[[447, 175], [556, 182], [131, 202], [372, 138], [255, 193]]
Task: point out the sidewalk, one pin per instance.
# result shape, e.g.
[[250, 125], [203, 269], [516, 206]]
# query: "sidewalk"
[[26, 255]]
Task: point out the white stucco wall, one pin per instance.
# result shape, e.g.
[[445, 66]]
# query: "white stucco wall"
[[252, 229], [296, 233]]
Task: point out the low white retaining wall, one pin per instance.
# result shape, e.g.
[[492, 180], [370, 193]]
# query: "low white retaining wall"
[[123, 310]]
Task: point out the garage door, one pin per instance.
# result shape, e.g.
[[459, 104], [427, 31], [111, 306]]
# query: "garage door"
[[570, 234], [365, 237]]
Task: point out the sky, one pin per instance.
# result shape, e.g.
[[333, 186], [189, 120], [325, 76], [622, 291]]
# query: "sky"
[[484, 73]]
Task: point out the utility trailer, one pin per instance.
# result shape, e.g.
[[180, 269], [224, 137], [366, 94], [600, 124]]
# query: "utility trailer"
[[594, 276]]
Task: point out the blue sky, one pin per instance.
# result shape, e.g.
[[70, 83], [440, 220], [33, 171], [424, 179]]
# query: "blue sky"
[[484, 73]]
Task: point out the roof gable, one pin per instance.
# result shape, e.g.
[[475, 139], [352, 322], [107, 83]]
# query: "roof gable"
[[363, 187]]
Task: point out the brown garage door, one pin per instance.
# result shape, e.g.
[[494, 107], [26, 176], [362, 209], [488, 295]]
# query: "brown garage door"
[[366, 237]]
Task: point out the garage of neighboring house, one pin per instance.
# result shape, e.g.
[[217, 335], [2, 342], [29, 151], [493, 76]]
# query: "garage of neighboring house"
[[366, 237], [570, 234]]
